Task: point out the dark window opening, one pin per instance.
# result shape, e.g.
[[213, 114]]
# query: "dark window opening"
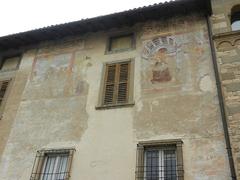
[[235, 18]]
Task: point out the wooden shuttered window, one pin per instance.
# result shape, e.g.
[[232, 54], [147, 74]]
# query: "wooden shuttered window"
[[3, 89], [116, 83]]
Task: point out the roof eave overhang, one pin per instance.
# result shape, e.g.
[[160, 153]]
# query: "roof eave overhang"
[[28, 39]]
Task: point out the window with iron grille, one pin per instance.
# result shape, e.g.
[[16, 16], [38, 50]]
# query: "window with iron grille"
[[3, 89], [52, 165], [159, 161], [117, 84]]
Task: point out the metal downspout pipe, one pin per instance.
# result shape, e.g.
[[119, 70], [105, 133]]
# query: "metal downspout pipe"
[[221, 102]]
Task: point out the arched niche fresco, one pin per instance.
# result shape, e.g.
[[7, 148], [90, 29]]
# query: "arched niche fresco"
[[151, 47], [158, 51], [168, 62]]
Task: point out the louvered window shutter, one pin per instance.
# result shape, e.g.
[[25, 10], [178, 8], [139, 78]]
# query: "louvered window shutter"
[[3, 89], [122, 94], [116, 83], [110, 84]]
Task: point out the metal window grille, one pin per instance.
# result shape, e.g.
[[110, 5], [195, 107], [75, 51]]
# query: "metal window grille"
[[52, 165], [159, 163]]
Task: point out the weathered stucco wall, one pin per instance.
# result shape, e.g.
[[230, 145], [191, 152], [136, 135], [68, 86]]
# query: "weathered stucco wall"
[[228, 51], [174, 93], [11, 100]]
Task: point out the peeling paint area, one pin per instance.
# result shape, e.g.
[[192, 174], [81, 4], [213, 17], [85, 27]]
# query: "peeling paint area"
[[55, 76], [52, 113], [202, 156], [171, 114], [206, 84], [57, 121]]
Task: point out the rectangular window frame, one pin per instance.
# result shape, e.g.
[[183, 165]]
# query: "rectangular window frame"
[[109, 39], [6, 58], [142, 146], [40, 162], [130, 89]]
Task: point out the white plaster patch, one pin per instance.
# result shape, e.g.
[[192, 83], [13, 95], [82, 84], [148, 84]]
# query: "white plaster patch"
[[206, 84]]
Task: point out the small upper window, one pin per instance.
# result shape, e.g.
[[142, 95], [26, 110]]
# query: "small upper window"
[[9, 64], [235, 18], [120, 43]]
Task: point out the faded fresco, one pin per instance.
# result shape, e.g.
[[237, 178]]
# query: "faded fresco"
[[57, 75], [160, 51], [169, 60]]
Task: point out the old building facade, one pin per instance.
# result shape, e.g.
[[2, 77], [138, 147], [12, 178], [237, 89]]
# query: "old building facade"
[[132, 95]]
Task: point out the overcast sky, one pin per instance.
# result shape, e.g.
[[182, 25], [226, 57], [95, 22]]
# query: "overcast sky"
[[22, 15]]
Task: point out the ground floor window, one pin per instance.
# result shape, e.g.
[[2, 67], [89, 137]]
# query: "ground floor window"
[[159, 160], [52, 165]]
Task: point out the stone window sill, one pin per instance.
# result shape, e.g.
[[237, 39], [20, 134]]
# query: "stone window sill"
[[113, 106]]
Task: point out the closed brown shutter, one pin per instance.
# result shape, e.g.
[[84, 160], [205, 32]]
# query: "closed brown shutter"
[[116, 83], [123, 83], [109, 84], [3, 89]]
